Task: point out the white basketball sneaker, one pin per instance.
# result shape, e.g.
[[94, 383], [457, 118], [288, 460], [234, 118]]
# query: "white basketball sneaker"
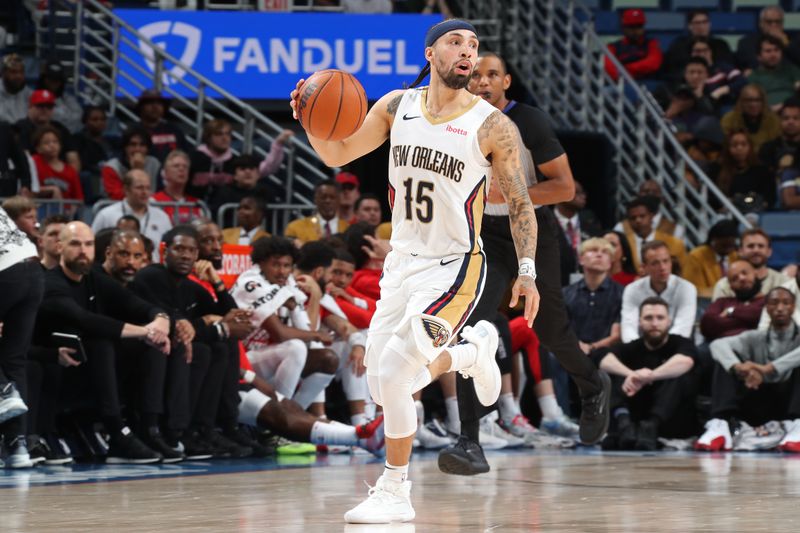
[[716, 438], [387, 502], [485, 371]]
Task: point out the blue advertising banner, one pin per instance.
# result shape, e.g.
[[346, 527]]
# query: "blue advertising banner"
[[262, 55]]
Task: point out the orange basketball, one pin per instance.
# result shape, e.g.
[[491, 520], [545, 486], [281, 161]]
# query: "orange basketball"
[[331, 105]]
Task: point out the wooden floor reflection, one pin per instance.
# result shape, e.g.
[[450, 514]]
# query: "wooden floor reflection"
[[524, 492]]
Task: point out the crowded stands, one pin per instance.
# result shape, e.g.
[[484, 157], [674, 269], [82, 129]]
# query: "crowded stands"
[[177, 323]]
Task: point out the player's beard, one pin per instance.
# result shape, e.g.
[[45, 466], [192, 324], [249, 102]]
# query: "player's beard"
[[452, 80]]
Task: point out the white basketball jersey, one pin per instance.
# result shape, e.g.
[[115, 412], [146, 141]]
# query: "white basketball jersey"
[[438, 178]]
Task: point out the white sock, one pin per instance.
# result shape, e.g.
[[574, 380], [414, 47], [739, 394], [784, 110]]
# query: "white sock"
[[422, 380], [462, 356], [341, 434], [311, 387], [370, 409], [549, 406], [420, 412], [508, 407], [453, 422], [358, 419], [395, 474]]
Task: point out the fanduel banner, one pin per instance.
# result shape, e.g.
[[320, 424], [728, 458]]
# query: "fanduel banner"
[[262, 55]]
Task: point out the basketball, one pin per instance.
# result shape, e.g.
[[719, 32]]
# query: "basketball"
[[331, 105]]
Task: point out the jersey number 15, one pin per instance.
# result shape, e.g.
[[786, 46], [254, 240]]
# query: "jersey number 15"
[[423, 200]]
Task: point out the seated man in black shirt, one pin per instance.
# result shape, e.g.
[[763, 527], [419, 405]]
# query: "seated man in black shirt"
[[647, 383], [92, 305]]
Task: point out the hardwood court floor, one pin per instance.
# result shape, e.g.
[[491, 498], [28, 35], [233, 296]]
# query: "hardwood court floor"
[[533, 491]]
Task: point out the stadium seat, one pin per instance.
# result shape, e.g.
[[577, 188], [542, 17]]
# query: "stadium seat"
[[791, 21], [663, 21], [736, 5], [711, 5], [631, 4], [784, 229]]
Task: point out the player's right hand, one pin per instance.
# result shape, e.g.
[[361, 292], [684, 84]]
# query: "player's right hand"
[[293, 97]]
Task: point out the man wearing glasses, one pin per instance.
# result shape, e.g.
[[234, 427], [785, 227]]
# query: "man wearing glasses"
[[770, 22], [698, 24]]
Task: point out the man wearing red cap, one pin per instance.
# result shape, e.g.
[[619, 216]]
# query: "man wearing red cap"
[[640, 55], [348, 196], [40, 114]]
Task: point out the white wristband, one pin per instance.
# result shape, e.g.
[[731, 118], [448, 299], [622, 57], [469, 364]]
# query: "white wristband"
[[357, 338], [249, 376], [527, 267]]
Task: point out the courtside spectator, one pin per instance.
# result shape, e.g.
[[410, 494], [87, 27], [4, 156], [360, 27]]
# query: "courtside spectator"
[[757, 379], [176, 175], [650, 380], [49, 238], [753, 114], [735, 314], [755, 247], [153, 221], [14, 94], [658, 280], [68, 110], [739, 174], [640, 215], [22, 211], [325, 221], [594, 303], [698, 26], [640, 55], [165, 137], [779, 78], [349, 195], [250, 215], [136, 148], [709, 262], [124, 256], [770, 23], [622, 270], [57, 179], [93, 149]]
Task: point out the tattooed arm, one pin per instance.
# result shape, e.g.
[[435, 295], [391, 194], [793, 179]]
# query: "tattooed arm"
[[499, 139], [372, 133]]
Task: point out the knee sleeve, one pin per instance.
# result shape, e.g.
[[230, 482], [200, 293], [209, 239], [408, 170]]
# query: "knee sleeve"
[[373, 383], [396, 378], [251, 403]]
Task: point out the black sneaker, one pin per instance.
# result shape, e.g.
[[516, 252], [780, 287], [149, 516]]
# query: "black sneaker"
[[595, 413], [155, 441], [628, 434], [194, 447], [464, 458], [240, 437], [647, 437], [224, 447], [41, 451], [126, 448]]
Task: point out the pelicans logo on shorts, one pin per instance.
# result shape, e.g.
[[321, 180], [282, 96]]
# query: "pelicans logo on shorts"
[[437, 332]]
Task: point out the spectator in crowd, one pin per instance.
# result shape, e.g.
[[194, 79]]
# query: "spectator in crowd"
[[622, 270], [686, 102], [651, 191], [782, 152], [14, 94], [367, 6], [15, 175], [594, 303], [658, 280], [698, 26], [368, 209], [349, 195], [724, 80], [212, 161], [176, 175], [709, 262], [57, 179], [128, 223], [640, 215], [272, 162], [124, 256], [49, 238], [152, 108], [67, 110], [245, 183], [93, 149], [40, 114], [22, 211], [22, 288], [741, 312], [136, 149], [640, 55], [325, 221], [779, 78], [770, 23], [738, 173], [757, 378], [577, 224], [250, 216], [753, 115], [790, 188], [154, 222], [650, 379], [81, 300], [755, 247]]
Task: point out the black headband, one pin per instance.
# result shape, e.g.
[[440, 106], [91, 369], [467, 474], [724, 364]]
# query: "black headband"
[[441, 28]]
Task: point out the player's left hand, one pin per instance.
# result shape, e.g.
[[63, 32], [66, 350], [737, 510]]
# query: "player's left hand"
[[526, 286]]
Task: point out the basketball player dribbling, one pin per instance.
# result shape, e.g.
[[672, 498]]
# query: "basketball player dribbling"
[[446, 144]]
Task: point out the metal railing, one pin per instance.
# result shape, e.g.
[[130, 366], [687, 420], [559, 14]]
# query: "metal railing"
[[275, 220], [560, 59], [101, 42]]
